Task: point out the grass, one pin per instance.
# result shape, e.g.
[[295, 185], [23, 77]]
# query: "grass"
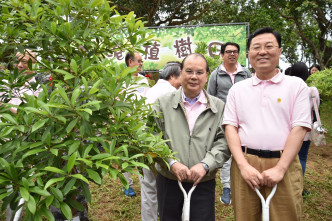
[[110, 204]]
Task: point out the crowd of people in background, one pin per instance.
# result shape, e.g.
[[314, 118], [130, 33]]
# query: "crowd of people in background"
[[254, 126]]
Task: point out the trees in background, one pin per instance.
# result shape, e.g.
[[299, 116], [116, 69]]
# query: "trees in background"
[[304, 25], [165, 12]]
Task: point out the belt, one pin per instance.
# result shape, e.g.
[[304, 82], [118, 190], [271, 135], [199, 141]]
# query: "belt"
[[262, 153]]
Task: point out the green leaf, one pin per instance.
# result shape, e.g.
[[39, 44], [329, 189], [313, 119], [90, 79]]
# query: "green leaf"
[[47, 213], [96, 3], [138, 164], [33, 152], [46, 138], [32, 205], [71, 125], [86, 191], [68, 77], [124, 165], [73, 147], [94, 176], [53, 27], [39, 191], [24, 193], [71, 162], [75, 95], [55, 170], [2, 196], [69, 186], [9, 118], [66, 210], [73, 65], [49, 200], [79, 176], [75, 204], [94, 88], [34, 110], [52, 181], [38, 125], [89, 111], [63, 93], [57, 193]]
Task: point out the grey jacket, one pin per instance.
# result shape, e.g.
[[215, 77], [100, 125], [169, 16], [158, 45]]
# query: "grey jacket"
[[220, 82], [206, 144]]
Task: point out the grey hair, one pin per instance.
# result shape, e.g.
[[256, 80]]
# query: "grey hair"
[[171, 68]]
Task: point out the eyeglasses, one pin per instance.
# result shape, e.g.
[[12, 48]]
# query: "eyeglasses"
[[232, 52], [191, 72], [258, 48]]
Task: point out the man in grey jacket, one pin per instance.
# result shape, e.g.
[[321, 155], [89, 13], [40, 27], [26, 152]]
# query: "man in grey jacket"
[[191, 120], [221, 80]]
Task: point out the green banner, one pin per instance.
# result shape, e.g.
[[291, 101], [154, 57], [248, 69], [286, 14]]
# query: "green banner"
[[175, 43]]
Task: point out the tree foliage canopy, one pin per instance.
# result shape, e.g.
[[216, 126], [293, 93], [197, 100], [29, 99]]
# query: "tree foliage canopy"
[[165, 12], [301, 23], [305, 26]]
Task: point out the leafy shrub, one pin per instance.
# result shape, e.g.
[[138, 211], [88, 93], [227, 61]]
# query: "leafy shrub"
[[88, 123], [323, 81]]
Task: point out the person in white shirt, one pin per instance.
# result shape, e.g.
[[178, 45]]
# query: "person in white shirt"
[[135, 60], [169, 80]]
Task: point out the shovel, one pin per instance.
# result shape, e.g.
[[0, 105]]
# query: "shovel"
[[186, 202], [266, 204]]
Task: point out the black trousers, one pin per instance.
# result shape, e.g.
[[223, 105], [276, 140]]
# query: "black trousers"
[[170, 200]]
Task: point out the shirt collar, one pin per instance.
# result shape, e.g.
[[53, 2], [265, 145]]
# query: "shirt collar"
[[238, 68], [200, 98], [275, 79]]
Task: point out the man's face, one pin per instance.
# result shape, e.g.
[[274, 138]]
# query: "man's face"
[[23, 63], [136, 62], [231, 55], [193, 76], [264, 53]]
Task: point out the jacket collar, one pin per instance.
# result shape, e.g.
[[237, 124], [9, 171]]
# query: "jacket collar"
[[222, 71], [178, 100]]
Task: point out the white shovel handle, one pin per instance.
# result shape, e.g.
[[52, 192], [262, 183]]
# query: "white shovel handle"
[[266, 204], [186, 202]]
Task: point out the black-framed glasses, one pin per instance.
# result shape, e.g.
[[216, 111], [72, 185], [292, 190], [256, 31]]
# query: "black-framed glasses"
[[232, 52]]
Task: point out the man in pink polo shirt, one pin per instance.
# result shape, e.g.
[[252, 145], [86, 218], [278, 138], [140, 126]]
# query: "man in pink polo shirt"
[[266, 118]]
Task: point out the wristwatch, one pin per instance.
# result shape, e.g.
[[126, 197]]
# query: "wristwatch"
[[206, 167]]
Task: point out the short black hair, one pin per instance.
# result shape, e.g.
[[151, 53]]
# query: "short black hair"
[[129, 56], [223, 47], [300, 69], [315, 66], [196, 55], [263, 31]]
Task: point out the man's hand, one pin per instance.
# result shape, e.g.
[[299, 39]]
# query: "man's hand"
[[197, 173], [272, 176], [180, 171], [252, 176]]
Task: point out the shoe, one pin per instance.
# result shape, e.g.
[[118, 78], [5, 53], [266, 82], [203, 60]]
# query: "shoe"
[[225, 198], [305, 193], [129, 192]]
